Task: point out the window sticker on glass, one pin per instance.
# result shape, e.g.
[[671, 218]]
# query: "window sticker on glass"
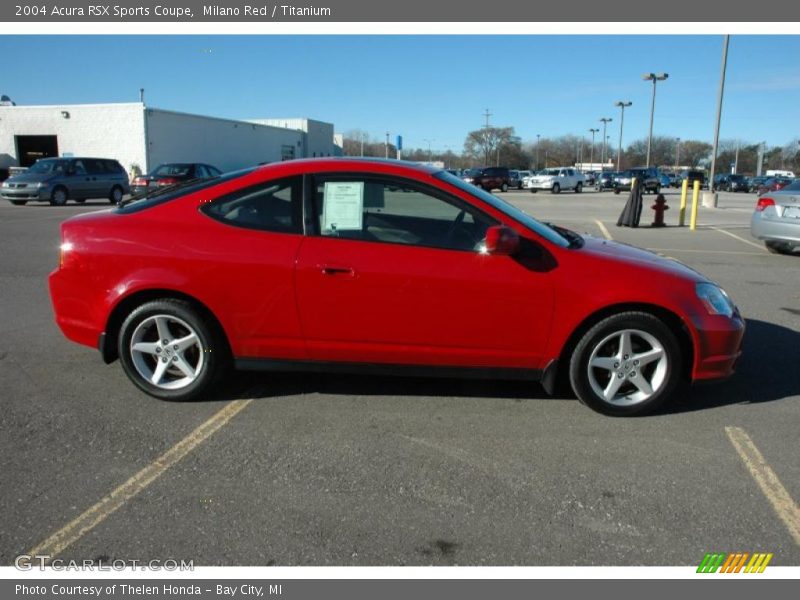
[[344, 206]]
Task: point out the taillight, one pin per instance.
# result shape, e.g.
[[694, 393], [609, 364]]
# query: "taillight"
[[167, 181], [140, 181], [764, 203]]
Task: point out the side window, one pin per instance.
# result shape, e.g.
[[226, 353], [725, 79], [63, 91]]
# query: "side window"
[[95, 167], [200, 171], [270, 206], [78, 167], [397, 212], [212, 171], [571, 172]]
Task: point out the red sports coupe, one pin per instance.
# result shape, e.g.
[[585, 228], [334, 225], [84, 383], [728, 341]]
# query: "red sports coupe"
[[380, 267]]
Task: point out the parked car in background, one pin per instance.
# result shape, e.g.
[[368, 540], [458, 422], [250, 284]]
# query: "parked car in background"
[[493, 178], [776, 219], [514, 179], [757, 182], [690, 176], [524, 174], [556, 179], [57, 180], [589, 177], [172, 173], [605, 180], [731, 182], [648, 178], [773, 184], [664, 180], [254, 275], [469, 175]]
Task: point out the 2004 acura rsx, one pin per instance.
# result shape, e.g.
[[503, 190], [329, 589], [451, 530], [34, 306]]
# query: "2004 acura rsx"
[[380, 267]]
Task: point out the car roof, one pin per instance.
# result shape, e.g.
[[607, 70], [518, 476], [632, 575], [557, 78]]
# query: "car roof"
[[379, 165]]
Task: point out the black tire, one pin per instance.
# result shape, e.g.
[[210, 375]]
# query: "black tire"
[[19, 202], [665, 375], [556, 189], [779, 247], [115, 195], [657, 190], [59, 196], [579, 188], [80, 200], [533, 190], [209, 356], [616, 190], [504, 187]]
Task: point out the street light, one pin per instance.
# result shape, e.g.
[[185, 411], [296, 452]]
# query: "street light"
[[622, 105], [654, 77], [606, 121], [387, 145], [591, 151], [677, 152], [537, 150], [429, 148]]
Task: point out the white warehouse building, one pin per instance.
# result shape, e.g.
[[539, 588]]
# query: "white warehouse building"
[[142, 137]]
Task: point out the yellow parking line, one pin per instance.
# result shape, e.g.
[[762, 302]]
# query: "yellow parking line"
[[767, 480], [603, 229], [741, 239], [87, 521]]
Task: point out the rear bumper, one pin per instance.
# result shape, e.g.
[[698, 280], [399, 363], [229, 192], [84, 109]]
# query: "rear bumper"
[[762, 227], [72, 311]]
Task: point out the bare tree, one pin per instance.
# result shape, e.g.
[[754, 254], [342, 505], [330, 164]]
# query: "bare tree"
[[483, 144]]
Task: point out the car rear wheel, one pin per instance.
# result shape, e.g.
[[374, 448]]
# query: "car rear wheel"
[[115, 197], [556, 189], [59, 196], [504, 187], [19, 202], [628, 364], [169, 351], [779, 247], [533, 190], [579, 188]]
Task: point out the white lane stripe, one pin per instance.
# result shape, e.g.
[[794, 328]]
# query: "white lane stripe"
[[603, 229], [741, 239]]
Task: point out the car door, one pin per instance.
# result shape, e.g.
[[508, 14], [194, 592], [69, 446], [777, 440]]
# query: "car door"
[[393, 273], [99, 178], [77, 180]]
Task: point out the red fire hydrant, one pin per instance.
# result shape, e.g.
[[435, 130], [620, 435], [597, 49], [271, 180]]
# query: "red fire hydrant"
[[659, 207]]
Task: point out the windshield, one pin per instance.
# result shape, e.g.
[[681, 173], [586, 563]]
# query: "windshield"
[[548, 172], [512, 211], [48, 167]]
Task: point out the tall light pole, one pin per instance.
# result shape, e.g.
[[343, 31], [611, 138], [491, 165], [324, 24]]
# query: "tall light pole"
[[429, 148], [362, 143], [386, 145], [538, 135], [725, 42], [591, 151], [654, 77], [677, 153], [622, 105], [606, 121]]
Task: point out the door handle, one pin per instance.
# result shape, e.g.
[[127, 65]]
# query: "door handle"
[[341, 271]]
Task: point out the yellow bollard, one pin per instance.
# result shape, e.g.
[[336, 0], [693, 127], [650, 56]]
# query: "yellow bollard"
[[682, 213], [695, 197]]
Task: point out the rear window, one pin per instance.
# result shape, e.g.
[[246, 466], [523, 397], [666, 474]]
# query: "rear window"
[[171, 192]]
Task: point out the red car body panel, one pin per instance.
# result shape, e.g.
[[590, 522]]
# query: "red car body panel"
[[312, 298]]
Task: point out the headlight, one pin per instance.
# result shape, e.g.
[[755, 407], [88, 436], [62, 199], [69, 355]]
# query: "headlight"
[[715, 299]]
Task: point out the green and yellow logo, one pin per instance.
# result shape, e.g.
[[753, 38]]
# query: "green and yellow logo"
[[722, 562]]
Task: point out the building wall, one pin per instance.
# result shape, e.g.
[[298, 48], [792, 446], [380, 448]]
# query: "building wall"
[[319, 136], [102, 130], [225, 144]]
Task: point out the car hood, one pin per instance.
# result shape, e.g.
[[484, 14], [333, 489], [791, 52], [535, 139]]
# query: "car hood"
[[627, 254], [29, 178]]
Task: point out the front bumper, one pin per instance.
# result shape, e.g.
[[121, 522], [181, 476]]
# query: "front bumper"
[[30, 193], [719, 347], [540, 185]]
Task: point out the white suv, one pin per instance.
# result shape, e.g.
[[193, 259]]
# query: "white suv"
[[555, 180]]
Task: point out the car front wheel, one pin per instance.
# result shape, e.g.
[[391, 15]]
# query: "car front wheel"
[[59, 196], [504, 187], [169, 351], [579, 188], [627, 364]]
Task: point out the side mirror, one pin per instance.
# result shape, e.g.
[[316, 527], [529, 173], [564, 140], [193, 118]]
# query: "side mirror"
[[502, 240]]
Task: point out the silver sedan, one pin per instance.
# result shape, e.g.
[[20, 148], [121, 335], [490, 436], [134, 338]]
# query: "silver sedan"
[[776, 219]]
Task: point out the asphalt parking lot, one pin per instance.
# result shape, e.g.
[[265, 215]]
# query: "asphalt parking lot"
[[336, 470]]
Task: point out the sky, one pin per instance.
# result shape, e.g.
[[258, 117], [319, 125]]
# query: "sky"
[[429, 87]]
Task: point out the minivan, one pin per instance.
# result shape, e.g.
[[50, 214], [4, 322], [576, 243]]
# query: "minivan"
[[57, 180]]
